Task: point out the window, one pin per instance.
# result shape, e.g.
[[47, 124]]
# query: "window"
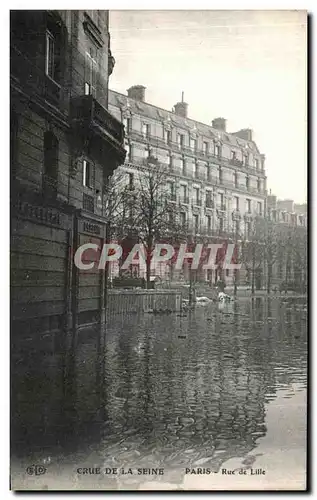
[[168, 136], [205, 147], [146, 130], [301, 221], [87, 174], [259, 208], [221, 197], [50, 50], [170, 160], [90, 72], [235, 179], [247, 182], [171, 191], [131, 180], [180, 140], [258, 183], [196, 195], [220, 175], [184, 193], [248, 206], [196, 222], [183, 218], [88, 203], [221, 225], [209, 176], [195, 167], [127, 124], [183, 166], [127, 147], [257, 165], [217, 150], [237, 227], [237, 202], [248, 229], [52, 57], [246, 160], [208, 221], [209, 201], [284, 216], [233, 155], [227, 272], [193, 144]]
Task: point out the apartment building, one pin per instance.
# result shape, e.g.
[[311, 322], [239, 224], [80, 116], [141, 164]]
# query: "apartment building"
[[289, 226], [64, 146], [217, 178], [286, 211]]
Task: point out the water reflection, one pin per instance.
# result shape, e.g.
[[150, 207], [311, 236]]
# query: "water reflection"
[[181, 401], [197, 400]]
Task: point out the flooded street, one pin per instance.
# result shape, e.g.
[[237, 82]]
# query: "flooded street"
[[222, 388]]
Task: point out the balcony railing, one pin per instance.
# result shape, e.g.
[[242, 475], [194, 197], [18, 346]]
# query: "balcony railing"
[[221, 207], [197, 203], [201, 175], [159, 141], [209, 203], [88, 110], [185, 200]]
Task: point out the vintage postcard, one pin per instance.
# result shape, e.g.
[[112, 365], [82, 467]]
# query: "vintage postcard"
[[158, 250]]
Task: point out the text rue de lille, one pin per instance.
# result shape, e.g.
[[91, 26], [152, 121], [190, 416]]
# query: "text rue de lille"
[[160, 471]]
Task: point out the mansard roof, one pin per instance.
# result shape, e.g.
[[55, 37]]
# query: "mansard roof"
[[163, 115]]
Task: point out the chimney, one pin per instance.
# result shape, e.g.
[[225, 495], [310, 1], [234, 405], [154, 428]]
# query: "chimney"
[[245, 133], [219, 124], [137, 92], [181, 108]]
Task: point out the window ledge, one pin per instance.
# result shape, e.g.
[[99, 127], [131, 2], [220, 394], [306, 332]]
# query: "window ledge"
[[93, 31]]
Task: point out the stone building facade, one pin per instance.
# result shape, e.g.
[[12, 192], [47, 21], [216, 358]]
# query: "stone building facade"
[[217, 179], [64, 146], [289, 225]]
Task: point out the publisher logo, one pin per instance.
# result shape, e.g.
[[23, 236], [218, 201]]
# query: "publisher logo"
[[35, 470]]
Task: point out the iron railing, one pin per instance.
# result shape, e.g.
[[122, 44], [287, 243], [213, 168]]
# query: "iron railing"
[[87, 109]]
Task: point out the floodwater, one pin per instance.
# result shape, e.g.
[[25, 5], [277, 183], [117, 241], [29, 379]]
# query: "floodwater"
[[215, 398]]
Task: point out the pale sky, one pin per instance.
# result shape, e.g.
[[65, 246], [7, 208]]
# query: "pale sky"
[[246, 66]]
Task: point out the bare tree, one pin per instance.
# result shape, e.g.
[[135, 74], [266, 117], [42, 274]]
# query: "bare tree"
[[118, 197], [253, 249], [298, 255], [155, 216], [272, 242]]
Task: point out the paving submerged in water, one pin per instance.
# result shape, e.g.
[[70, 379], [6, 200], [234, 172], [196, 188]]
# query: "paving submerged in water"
[[196, 392]]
